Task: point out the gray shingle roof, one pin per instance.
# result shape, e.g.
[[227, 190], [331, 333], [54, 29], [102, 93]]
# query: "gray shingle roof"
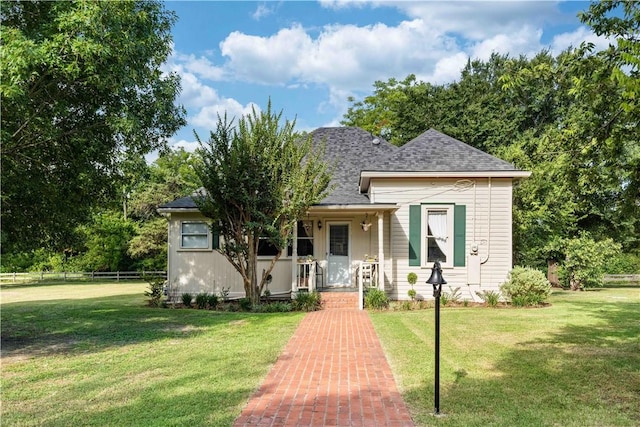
[[181, 203], [433, 151], [353, 150]]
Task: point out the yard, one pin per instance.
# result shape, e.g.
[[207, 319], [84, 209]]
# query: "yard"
[[93, 354]]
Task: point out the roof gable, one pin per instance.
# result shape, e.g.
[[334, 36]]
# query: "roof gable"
[[434, 151]]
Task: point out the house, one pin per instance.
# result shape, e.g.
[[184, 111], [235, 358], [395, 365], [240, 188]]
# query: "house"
[[393, 210]]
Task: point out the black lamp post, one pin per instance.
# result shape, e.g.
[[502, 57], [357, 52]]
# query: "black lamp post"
[[437, 281]]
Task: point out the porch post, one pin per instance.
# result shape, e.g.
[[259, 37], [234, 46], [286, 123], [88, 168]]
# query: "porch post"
[[380, 250], [294, 261]]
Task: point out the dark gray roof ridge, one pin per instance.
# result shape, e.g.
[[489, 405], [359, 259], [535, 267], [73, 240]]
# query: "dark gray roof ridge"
[[433, 151]]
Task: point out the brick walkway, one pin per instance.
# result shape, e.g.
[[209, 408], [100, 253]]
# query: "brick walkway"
[[331, 373]]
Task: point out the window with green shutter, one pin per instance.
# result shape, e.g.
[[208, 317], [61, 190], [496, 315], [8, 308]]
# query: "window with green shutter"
[[437, 232]]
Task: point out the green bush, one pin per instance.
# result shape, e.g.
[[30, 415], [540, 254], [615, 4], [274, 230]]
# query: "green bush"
[[156, 291], [245, 304], [307, 301], [186, 299], [585, 261], [623, 263], [526, 287], [491, 298], [213, 300], [376, 299], [201, 301], [274, 307]]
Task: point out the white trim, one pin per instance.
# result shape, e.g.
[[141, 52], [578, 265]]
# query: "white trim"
[[366, 176]]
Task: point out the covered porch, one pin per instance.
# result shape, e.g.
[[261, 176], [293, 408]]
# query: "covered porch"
[[342, 249]]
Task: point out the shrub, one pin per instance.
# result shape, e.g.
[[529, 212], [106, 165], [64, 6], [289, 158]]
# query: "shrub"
[[412, 278], [201, 301], [491, 298], [526, 286], [454, 296], [274, 307], [186, 299], [307, 301], [156, 291], [376, 299], [623, 263], [213, 300], [585, 261], [245, 304]]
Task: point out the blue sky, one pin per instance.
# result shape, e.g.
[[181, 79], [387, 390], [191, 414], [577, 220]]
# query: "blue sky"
[[310, 57]]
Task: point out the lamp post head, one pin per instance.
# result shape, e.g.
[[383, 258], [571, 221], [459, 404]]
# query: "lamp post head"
[[436, 279]]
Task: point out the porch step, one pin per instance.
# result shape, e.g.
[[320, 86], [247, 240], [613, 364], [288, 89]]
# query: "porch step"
[[339, 300]]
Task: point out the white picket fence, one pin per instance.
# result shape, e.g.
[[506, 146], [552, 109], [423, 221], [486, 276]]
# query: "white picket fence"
[[42, 276]]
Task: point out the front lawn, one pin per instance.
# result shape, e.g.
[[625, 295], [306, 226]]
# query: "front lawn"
[[574, 363], [93, 354]]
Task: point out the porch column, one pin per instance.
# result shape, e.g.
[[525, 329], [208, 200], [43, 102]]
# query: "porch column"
[[381, 250], [294, 261]]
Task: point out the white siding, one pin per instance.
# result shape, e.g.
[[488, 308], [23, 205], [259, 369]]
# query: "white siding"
[[488, 225]]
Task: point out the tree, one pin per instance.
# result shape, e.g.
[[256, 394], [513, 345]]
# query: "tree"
[[81, 90], [170, 177], [604, 18], [259, 179]]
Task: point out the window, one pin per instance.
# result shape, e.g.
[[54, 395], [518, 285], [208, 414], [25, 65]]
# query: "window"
[[305, 242], [437, 233], [194, 235], [305, 239]]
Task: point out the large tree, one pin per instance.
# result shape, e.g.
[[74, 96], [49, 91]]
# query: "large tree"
[[82, 90], [259, 177]]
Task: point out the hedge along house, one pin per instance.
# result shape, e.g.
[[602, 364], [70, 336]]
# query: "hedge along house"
[[393, 210]]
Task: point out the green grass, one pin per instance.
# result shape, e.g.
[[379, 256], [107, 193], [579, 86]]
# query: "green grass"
[[574, 363], [94, 354]]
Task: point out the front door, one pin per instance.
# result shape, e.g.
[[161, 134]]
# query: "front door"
[[338, 258]]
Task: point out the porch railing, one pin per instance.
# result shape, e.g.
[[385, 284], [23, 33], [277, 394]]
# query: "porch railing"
[[368, 277], [306, 275]]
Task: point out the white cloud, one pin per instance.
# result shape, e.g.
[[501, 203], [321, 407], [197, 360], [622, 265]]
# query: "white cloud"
[[201, 66], [189, 146], [207, 117], [582, 34], [447, 69], [261, 11], [525, 41], [342, 56], [267, 60]]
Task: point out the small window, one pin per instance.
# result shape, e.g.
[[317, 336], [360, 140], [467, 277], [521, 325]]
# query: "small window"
[[266, 248], [305, 242], [195, 235]]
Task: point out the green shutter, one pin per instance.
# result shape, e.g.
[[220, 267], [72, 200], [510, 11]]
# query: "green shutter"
[[415, 235], [459, 235], [216, 240]]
